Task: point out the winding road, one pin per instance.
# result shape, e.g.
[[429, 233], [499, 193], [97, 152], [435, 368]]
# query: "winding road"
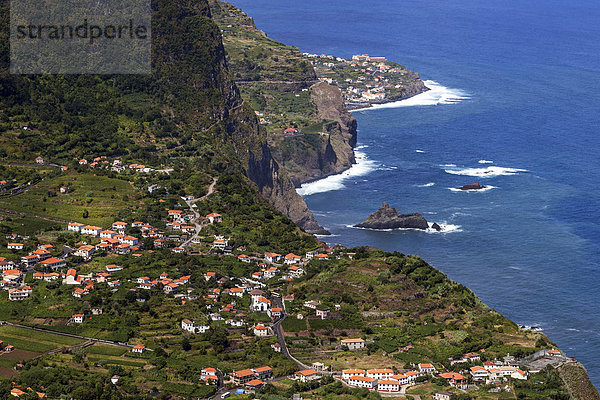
[[198, 226]]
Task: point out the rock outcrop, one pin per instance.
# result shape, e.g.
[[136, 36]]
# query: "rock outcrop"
[[388, 217]]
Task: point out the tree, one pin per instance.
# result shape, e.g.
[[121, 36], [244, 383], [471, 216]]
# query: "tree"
[[185, 344]]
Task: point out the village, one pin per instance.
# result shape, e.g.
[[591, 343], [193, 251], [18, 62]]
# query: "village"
[[365, 80], [224, 304]]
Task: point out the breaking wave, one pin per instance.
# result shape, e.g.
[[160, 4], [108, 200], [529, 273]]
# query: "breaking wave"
[[485, 172], [362, 167], [437, 94]]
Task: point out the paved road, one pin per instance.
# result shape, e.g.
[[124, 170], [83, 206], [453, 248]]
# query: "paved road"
[[278, 302], [198, 226]]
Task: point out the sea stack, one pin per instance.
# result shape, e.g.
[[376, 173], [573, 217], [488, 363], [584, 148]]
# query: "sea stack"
[[388, 217]]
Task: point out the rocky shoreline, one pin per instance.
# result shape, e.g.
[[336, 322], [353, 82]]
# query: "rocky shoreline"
[[387, 217]]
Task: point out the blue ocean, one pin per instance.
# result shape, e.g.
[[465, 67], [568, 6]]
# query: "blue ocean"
[[515, 105]]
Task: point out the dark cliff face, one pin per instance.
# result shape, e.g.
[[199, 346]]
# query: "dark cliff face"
[[280, 191], [311, 157]]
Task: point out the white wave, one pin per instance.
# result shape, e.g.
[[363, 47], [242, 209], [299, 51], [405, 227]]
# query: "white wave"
[[485, 172], [516, 268], [362, 167], [446, 228], [419, 151], [427, 184], [485, 189], [362, 146], [437, 94], [448, 165], [485, 162]]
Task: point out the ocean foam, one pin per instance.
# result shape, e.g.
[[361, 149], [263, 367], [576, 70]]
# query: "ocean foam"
[[446, 228], [362, 167], [485, 189], [448, 165], [419, 151], [485, 172], [427, 184], [485, 162], [437, 94]]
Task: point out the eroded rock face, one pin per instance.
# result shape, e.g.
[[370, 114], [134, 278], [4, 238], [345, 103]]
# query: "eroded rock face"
[[388, 217]]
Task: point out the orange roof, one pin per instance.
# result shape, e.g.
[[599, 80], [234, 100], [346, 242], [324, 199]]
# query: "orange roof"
[[356, 340], [307, 372], [425, 365], [387, 382], [262, 369], [242, 373], [380, 371], [362, 378], [52, 260], [353, 371], [255, 382], [139, 346]]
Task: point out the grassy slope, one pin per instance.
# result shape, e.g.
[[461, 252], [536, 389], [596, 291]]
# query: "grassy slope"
[[101, 196]]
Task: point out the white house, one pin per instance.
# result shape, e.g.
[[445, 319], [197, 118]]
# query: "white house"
[[442, 396], [426, 368], [261, 330], [85, 251], [479, 373], [15, 246], [261, 305], [108, 234], [307, 375], [220, 243], [214, 218], [272, 257], [119, 226], [113, 268], [291, 258], [138, 348], [347, 373], [54, 262], [91, 230], [75, 226], [322, 312], [78, 318], [362, 381], [388, 385], [353, 344], [191, 326], [380, 373]]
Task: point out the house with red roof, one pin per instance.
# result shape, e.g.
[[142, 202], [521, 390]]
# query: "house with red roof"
[[214, 218]]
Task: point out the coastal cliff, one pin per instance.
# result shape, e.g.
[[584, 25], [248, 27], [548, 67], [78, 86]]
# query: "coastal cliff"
[[307, 157]]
